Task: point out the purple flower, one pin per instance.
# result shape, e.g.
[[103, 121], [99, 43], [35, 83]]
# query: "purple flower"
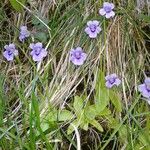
[[107, 10], [93, 28], [112, 80], [38, 52], [145, 88], [10, 52], [77, 56], [24, 33]]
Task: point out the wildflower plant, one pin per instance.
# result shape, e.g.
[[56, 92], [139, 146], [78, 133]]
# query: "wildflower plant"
[[77, 56], [10, 52], [112, 80], [38, 52], [107, 10], [93, 28], [24, 33], [58, 99]]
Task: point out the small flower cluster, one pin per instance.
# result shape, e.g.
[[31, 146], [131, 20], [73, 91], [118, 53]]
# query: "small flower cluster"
[[113, 80], [77, 55], [37, 53], [93, 28]]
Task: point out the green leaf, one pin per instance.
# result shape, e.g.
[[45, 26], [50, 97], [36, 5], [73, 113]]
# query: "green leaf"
[[113, 122], [52, 115], [70, 129], [16, 5], [56, 115], [78, 105], [44, 127], [84, 122], [97, 125], [105, 112], [102, 99], [85, 126], [102, 94], [100, 80], [65, 115], [41, 36], [116, 100], [90, 112]]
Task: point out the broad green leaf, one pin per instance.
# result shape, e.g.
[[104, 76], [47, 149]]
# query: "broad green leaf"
[[105, 112], [113, 122], [44, 127], [102, 94], [78, 105], [96, 125], [16, 5], [70, 129], [41, 36], [90, 112], [52, 115], [102, 99], [56, 115], [65, 115], [116, 100], [100, 81], [84, 122], [85, 126]]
